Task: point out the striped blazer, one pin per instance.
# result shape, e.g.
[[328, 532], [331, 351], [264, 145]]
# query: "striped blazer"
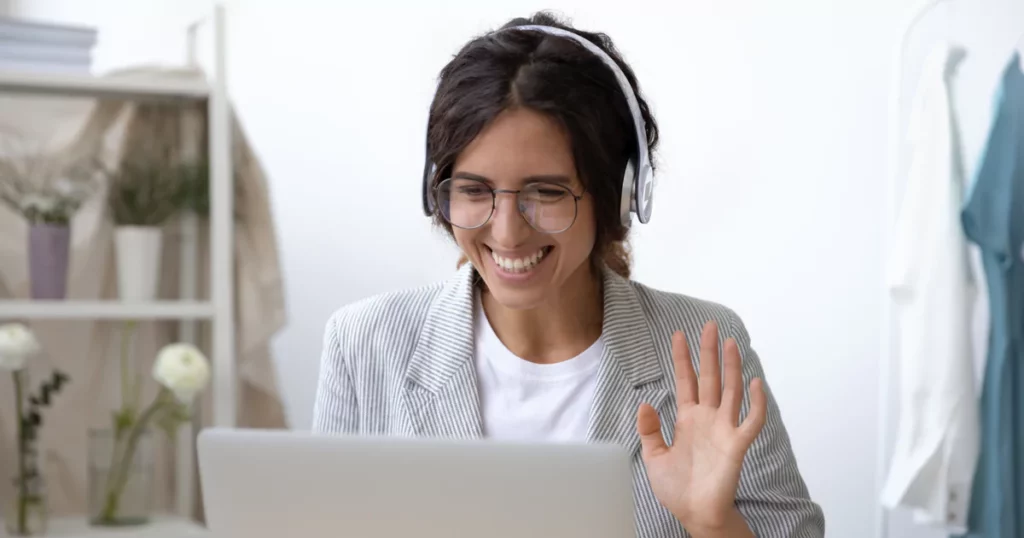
[[401, 363]]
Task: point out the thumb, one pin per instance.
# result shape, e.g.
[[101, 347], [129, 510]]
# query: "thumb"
[[649, 428]]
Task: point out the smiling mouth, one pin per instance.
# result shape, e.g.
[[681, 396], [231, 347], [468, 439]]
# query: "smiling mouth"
[[520, 265]]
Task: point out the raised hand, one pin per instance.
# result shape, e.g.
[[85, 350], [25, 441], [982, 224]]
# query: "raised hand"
[[696, 478]]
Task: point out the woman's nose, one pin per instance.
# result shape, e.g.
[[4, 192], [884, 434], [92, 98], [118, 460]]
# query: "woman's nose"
[[508, 227]]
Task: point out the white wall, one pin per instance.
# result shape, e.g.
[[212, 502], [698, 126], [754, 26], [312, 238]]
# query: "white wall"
[[773, 189]]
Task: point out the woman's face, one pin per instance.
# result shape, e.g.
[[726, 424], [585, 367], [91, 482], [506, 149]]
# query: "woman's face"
[[524, 267]]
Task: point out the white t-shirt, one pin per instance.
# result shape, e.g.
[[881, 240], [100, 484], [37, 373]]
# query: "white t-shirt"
[[525, 401]]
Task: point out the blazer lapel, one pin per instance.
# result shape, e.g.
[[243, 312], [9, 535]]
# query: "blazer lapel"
[[630, 372], [441, 386]]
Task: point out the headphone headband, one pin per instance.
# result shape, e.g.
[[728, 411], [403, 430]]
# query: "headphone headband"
[[638, 180]]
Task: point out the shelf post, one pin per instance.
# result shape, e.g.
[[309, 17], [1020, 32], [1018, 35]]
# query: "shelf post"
[[188, 329], [222, 247]]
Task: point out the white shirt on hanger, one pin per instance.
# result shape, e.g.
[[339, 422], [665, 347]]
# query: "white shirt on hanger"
[[931, 285]]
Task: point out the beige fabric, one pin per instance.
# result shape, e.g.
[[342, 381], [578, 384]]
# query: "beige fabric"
[[89, 350]]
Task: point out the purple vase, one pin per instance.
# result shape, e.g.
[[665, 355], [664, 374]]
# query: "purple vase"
[[48, 247]]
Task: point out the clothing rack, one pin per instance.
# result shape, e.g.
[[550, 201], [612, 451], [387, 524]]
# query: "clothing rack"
[[896, 161]]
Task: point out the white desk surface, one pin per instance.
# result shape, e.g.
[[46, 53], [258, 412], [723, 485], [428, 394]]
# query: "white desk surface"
[[159, 527]]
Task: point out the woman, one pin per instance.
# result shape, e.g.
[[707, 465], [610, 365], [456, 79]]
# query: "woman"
[[541, 336]]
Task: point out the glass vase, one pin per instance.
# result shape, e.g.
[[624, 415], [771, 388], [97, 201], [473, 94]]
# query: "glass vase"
[[121, 473], [26, 514]]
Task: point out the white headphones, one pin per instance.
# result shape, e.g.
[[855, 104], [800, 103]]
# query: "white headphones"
[[637, 182]]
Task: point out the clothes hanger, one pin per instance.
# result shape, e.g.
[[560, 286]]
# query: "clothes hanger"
[[1019, 50]]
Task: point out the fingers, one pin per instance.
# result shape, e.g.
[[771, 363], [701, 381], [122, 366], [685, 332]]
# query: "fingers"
[[649, 427], [710, 385], [732, 395], [686, 379], [752, 425]]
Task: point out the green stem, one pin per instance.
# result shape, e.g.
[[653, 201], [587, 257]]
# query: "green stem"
[[126, 390], [22, 464], [115, 457], [119, 473]]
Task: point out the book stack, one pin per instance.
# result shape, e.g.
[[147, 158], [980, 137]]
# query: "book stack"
[[28, 46]]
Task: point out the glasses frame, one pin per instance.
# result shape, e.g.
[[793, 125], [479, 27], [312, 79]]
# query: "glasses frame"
[[494, 202]]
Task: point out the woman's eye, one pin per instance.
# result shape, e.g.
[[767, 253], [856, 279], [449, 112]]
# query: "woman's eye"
[[548, 195]]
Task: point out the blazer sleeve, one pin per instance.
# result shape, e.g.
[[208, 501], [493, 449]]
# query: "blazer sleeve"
[[335, 409], [772, 495]]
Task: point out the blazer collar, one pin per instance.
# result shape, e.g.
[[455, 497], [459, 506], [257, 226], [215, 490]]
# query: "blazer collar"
[[630, 372], [441, 385]]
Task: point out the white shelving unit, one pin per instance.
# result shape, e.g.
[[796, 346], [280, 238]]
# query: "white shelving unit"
[[181, 310], [43, 83], [160, 527], [219, 309]]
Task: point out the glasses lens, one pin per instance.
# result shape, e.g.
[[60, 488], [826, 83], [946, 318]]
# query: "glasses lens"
[[548, 207], [466, 203]]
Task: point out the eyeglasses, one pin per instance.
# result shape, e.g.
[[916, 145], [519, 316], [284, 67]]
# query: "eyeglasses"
[[469, 203]]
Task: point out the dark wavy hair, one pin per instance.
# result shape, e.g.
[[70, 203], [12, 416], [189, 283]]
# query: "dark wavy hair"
[[556, 76]]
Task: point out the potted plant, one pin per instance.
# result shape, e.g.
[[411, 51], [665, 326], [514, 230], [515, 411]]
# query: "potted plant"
[[26, 515], [120, 474], [144, 193], [46, 191], [194, 196]]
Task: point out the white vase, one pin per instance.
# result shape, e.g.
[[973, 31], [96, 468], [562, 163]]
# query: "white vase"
[[138, 262]]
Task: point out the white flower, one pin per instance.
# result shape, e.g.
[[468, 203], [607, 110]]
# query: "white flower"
[[71, 191], [183, 369], [65, 188], [38, 202], [17, 344]]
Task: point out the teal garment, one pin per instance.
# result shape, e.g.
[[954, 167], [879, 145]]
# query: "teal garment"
[[993, 218]]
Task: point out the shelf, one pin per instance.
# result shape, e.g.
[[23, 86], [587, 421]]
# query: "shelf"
[[72, 309], [159, 527], [128, 86]]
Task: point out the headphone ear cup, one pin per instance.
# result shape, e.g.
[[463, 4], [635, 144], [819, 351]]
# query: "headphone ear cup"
[[428, 199], [626, 200], [643, 194]]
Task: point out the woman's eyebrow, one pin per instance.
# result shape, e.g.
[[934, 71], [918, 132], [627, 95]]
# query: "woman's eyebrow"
[[550, 178], [470, 175]]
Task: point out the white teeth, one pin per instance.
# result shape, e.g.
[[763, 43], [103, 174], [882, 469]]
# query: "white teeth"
[[518, 265]]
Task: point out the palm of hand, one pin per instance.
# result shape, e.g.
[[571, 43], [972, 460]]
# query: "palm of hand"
[[696, 478]]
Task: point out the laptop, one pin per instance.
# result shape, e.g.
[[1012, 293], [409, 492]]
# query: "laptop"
[[294, 484]]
